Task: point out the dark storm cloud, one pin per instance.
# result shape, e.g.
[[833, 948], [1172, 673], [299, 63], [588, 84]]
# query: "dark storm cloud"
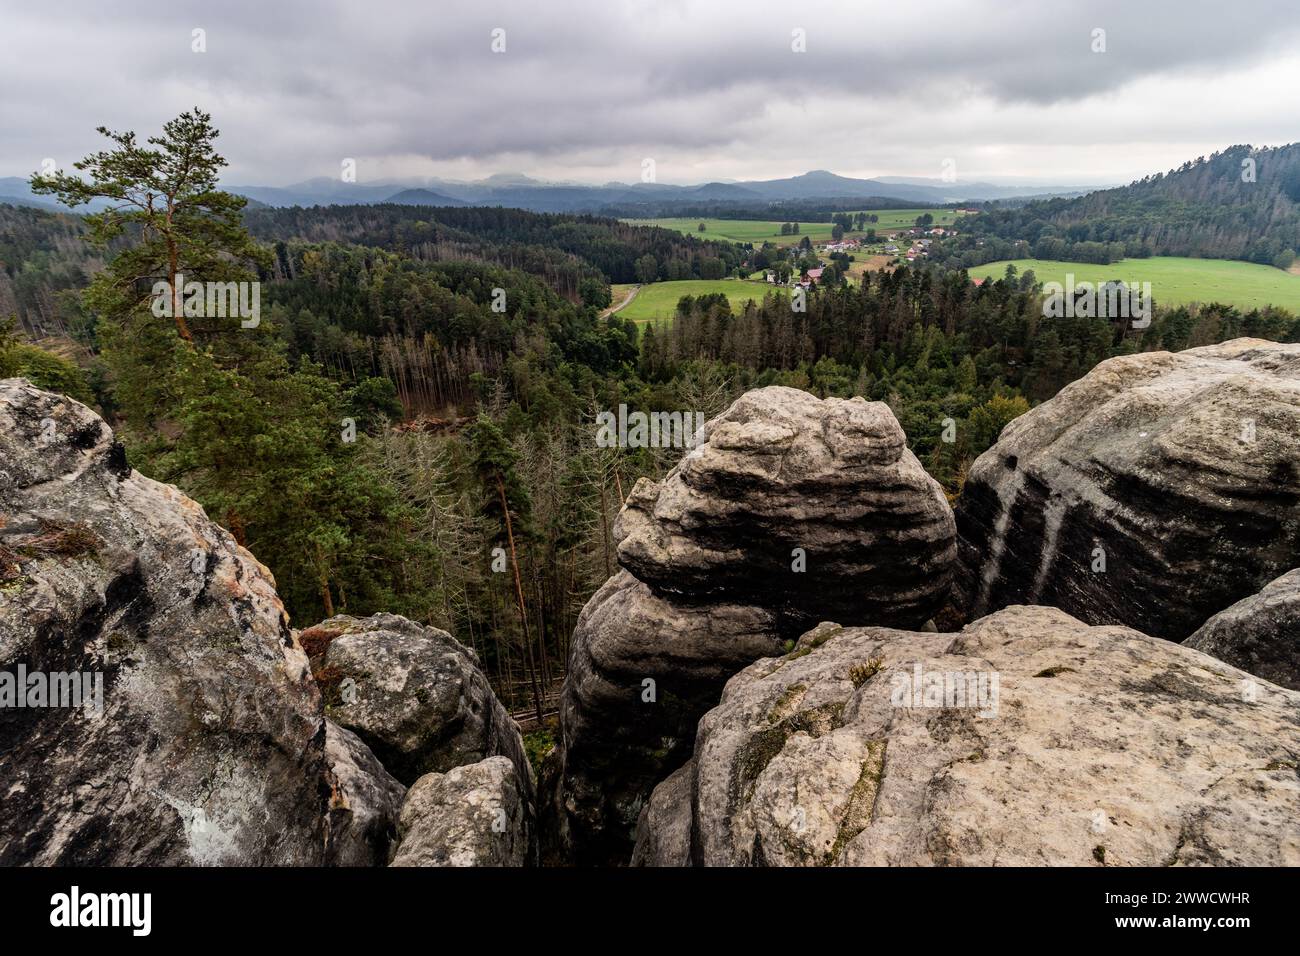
[[595, 85]]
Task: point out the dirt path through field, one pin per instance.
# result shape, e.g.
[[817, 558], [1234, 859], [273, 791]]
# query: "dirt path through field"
[[631, 294]]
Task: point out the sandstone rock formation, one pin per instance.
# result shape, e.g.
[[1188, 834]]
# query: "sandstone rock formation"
[[790, 508], [475, 815], [413, 694], [1260, 634], [365, 801], [1153, 492], [1095, 746], [209, 748], [782, 470]]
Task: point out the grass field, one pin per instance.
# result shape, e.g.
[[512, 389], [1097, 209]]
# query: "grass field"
[[658, 300], [1174, 281], [741, 230], [869, 262], [906, 218], [759, 231]]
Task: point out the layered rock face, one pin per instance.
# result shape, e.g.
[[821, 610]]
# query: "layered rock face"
[[1153, 492], [782, 470], [414, 694], [209, 748], [475, 815], [790, 506], [1260, 634], [1030, 738]]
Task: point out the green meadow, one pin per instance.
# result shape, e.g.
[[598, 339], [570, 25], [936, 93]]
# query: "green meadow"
[[1174, 280], [906, 218], [760, 231], [658, 300], [741, 230]]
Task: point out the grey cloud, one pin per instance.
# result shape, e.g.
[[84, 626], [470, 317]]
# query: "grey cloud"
[[297, 86]]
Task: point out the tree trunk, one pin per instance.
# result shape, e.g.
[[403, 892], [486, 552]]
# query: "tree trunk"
[[235, 525], [604, 527], [173, 265], [519, 593], [326, 599]]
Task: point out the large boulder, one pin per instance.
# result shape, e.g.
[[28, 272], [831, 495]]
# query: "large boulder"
[[782, 471], [414, 694], [1260, 634], [1029, 738], [365, 801], [210, 747], [475, 815], [1153, 492], [789, 504]]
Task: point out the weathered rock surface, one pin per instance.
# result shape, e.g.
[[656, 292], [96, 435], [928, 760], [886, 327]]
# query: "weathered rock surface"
[[780, 470], [1182, 468], [710, 583], [620, 735], [1260, 634], [365, 800], [475, 815], [414, 694], [1101, 745], [663, 831], [210, 748]]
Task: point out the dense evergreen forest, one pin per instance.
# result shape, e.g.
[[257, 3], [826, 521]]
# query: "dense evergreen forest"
[[567, 251], [1241, 203], [410, 426]]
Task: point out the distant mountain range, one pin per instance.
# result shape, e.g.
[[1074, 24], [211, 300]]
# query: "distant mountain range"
[[524, 192]]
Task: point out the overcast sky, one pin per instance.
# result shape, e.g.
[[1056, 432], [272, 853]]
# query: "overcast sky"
[[709, 89]]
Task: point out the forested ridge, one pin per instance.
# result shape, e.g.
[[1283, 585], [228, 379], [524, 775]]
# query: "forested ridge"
[[414, 417], [1241, 203], [540, 243]]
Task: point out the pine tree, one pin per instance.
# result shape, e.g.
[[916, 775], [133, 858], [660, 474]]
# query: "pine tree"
[[164, 196], [504, 498]]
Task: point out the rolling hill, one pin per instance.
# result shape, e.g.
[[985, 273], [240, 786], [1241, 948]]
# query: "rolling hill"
[[1241, 203]]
